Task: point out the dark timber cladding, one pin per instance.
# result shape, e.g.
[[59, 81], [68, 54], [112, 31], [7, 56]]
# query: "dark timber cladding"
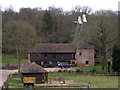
[[52, 52], [34, 70]]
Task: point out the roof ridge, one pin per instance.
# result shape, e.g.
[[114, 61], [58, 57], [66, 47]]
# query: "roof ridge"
[[41, 67], [34, 65]]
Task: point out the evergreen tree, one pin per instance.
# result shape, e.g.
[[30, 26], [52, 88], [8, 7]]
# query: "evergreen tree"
[[116, 59], [47, 25]]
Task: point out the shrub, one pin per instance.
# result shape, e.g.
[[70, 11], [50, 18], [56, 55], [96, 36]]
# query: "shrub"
[[77, 70], [116, 59], [59, 70], [63, 70], [50, 65], [69, 71]]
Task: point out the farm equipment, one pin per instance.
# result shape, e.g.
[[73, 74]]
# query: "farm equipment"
[[29, 81]]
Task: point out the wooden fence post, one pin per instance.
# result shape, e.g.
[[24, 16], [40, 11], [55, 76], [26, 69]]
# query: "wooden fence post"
[[50, 80], [78, 84], [89, 86]]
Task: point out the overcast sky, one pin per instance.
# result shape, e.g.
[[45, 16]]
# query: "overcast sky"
[[65, 4]]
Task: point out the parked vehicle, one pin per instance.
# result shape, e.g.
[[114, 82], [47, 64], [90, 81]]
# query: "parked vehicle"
[[64, 64]]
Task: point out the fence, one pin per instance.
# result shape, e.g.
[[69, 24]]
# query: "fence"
[[56, 80], [98, 73], [61, 81], [84, 85]]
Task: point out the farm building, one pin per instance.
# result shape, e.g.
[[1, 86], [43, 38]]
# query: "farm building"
[[54, 53], [34, 70], [85, 55]]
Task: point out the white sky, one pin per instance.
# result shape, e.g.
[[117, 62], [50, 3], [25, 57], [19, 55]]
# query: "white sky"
[[65, 4]]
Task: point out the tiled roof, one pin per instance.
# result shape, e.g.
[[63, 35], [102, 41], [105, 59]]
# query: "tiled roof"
[[53, 47], [33, 68]]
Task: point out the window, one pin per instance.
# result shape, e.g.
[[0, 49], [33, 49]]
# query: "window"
[[54, 62], [80, 53], [73, 62], [54, 55], [45, 55], [46, 62], [38, 55], [38, 62], [73, 56], [61, 55], [87, 62]]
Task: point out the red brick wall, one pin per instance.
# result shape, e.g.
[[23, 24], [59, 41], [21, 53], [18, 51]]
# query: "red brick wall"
[[86, 55]]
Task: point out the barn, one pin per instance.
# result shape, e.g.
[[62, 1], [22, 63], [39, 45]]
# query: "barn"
[[54, 53], [34, 70], [51, 53]]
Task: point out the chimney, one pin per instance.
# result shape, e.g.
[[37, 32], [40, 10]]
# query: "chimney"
[[79, 20], [84, 18]]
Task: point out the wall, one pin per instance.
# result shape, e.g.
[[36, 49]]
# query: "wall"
[[86, 55], [51, 57]]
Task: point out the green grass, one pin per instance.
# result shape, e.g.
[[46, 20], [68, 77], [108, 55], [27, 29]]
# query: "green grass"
[[15, 81], [96, 81], [8, 58], [89, 68]]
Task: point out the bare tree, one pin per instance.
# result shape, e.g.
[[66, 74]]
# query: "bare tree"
[[18, 37], [102, 29]]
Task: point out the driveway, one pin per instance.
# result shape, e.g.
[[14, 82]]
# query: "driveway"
[[62, 69], [4, 73]]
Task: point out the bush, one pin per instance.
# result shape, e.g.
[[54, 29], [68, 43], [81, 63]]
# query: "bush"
[[50, 65], [69, 71], [64, 71], [93, 70], [116, 59], [77, 70], [59, 70]]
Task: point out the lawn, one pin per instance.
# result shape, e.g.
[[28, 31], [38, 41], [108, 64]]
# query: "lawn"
[[89, 68], [96, 81], [9, 58]]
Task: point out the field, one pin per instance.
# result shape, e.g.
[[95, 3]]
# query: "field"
[[8, 58], [89, 68], [96, 81]]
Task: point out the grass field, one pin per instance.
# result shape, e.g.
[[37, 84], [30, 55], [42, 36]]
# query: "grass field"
[[8, 58], [89, 68], [96, 81]]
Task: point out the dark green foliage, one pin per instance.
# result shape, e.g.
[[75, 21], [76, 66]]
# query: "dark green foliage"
[[59, 71], [116, 59], [50, 65], [77, 70], [47, 23]]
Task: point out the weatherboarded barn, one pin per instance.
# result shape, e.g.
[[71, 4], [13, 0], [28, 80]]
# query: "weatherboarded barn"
[[34, 70], [52, 53]]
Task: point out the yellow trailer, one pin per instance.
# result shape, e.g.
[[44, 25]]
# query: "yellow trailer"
[[29, 81]]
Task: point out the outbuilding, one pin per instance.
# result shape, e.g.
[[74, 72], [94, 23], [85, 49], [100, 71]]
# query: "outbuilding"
[[34, 70]]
